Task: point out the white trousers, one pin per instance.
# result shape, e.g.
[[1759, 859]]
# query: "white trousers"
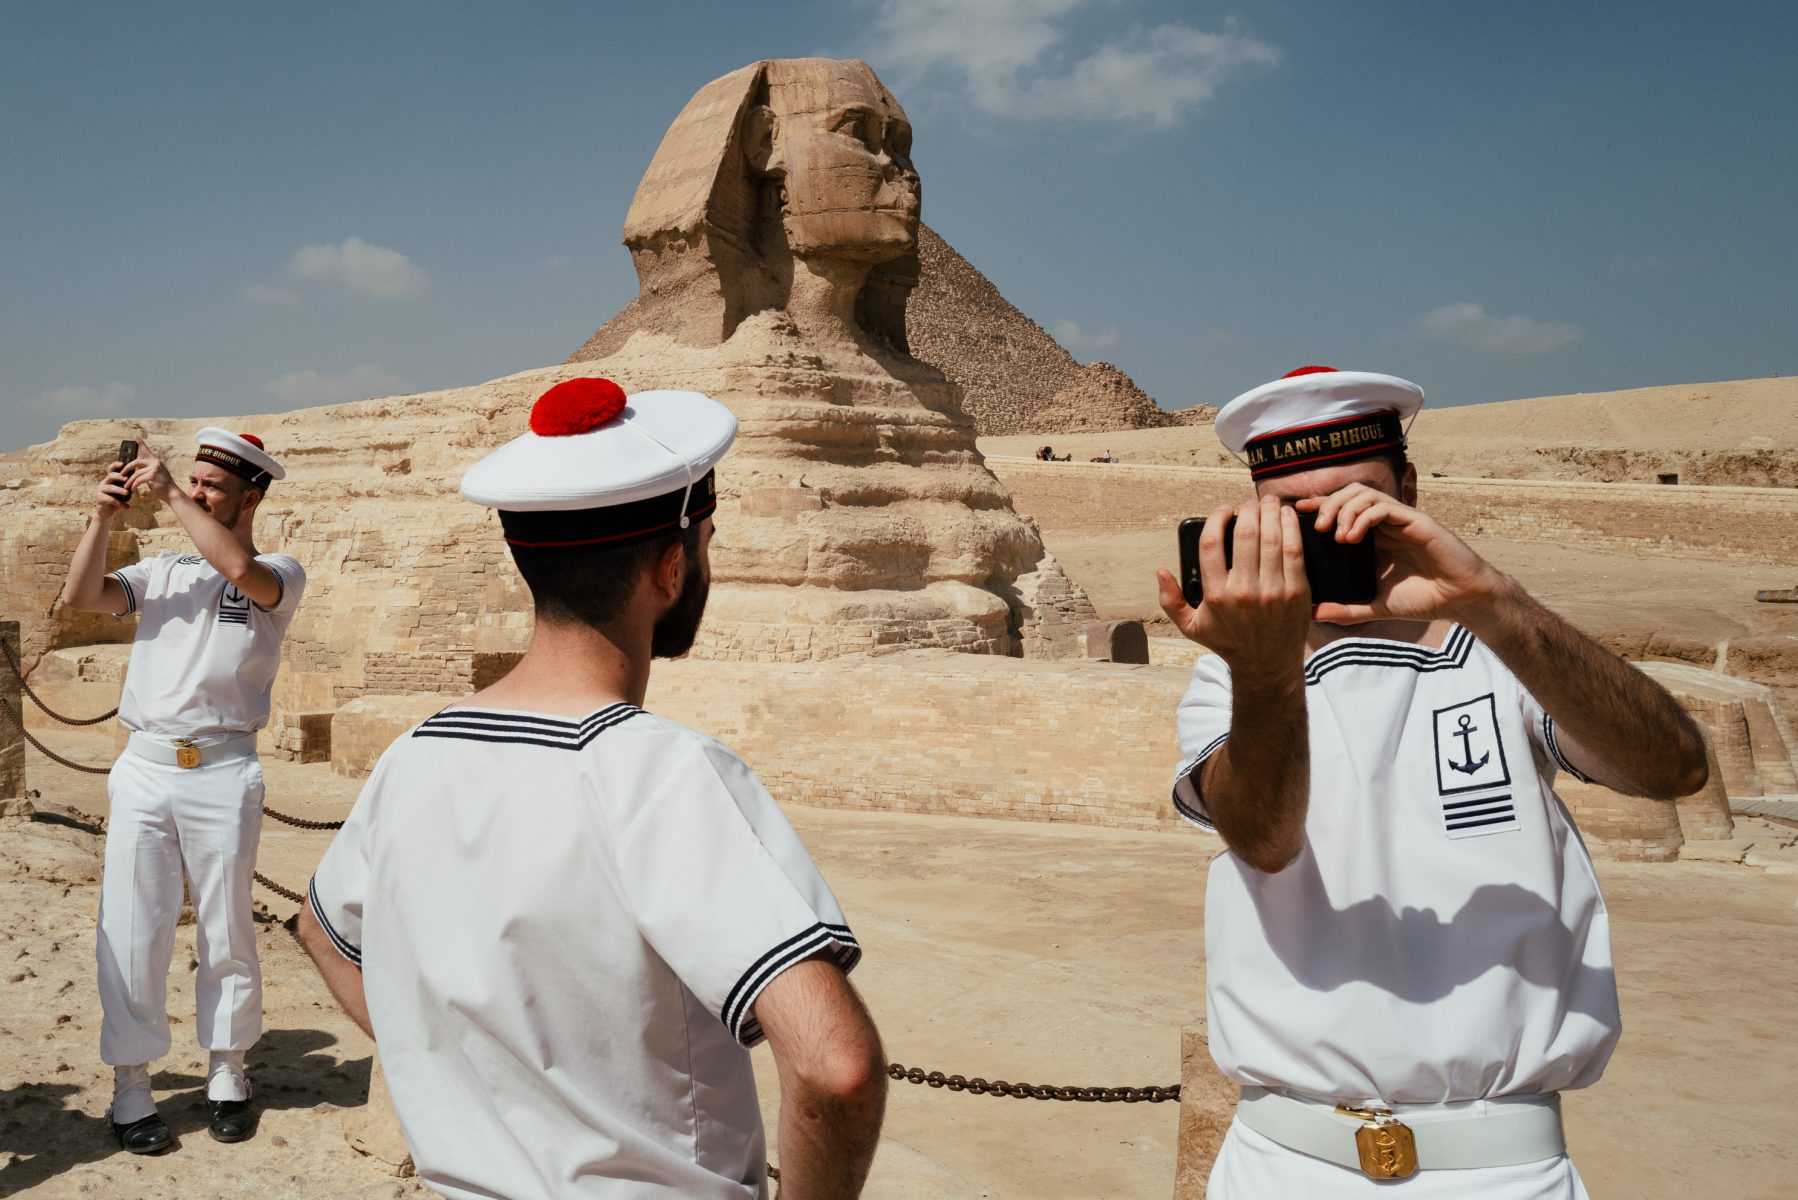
[[1253, 1167], [167, 821]]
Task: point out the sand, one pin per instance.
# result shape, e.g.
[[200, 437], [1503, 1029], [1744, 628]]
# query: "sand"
[[1041, 953], [1741, 431]]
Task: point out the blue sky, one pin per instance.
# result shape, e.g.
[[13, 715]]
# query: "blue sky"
[[226, 208]]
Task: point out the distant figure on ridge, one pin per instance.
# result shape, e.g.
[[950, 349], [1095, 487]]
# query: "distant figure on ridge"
[[1407, 956], [563, 919]]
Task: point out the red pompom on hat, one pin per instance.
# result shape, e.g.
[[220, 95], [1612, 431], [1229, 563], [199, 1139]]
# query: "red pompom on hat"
[[1309, 371], [253, 440], [576, 406]]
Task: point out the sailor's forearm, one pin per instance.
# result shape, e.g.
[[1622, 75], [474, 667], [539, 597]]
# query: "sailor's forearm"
[[1257, 786], [85, 588], [1642, 741], [216, 544]]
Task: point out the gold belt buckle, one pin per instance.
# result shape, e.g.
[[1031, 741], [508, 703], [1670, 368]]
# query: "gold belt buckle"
[[186, 753], [1386, 1147]]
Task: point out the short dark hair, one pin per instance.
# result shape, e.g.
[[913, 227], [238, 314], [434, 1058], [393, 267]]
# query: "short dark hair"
[[1397, 460], [592, 584]]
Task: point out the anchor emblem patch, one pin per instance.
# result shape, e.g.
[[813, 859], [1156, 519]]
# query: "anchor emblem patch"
[[1470, 753], [1465, 733]]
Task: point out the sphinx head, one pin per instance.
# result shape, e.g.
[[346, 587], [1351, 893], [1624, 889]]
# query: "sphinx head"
[[837, 148], [783, 167]]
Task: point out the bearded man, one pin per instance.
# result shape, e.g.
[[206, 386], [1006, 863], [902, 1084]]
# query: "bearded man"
[[564, 920]]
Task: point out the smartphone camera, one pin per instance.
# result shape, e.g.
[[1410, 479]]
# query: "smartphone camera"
[[1338, 572]]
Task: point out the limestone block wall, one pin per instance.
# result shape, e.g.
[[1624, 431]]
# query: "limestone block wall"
[[1719, 524], [363, 729], [1627, 828], [1755, 747], [945, 733]]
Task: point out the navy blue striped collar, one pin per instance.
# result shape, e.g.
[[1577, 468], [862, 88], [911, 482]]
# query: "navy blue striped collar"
[[529, 729], [1376, 652]]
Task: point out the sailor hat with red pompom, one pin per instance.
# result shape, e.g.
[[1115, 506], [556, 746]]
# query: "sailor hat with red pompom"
[[599, 467], [1317, 417], [239, 453]]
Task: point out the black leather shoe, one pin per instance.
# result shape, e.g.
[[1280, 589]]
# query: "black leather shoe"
[[146, 1135], [232, 1120]]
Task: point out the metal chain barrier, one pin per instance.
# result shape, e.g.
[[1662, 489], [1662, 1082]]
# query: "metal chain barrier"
[[277, 889], [934, 1079], [300, 822], [99, 823], [19, 673], [1033, 1091], [17, 720]]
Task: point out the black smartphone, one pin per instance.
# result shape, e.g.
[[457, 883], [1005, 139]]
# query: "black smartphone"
[[127, 452], [1338, 572]]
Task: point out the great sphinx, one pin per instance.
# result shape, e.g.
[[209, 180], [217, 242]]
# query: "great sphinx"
[[775, 240]]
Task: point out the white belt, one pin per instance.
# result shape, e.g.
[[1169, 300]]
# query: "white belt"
[[181, 752], [1391, 1144]]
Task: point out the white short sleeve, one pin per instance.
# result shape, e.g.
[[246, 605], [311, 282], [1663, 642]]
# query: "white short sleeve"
[[135, 579], [1203, 724], [722, 887], [339, 886], [292, 578], [1542, 734]]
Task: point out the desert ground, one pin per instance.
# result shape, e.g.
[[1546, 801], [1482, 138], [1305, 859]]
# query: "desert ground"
[[1034, 952], [1037, 952], [1740, 432]]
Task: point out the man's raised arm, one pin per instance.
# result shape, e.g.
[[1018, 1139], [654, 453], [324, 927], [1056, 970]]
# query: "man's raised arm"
[[1612, 722], [1255, 616], [89, 588]]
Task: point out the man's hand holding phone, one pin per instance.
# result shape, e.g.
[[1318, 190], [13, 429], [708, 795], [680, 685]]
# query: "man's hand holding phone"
[[1256, 609], [1426, 571], [115, 489]]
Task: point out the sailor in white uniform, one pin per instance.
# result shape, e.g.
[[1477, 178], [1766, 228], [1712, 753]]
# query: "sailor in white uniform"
[[564, 919], [186, 795], [1407, 955]]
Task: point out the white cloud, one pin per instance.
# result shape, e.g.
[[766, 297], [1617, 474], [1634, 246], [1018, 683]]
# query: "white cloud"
[[78, 403], [1472, 326], [361, 267], [557, 262], [307, 389], [1072, 336], [262, 293], [1005, 56]]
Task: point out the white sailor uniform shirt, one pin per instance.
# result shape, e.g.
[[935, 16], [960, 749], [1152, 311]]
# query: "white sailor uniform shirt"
[[563, 926], [205, 655], [1441, 936]]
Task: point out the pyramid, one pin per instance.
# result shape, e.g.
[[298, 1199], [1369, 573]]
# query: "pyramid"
[[1014, 377]]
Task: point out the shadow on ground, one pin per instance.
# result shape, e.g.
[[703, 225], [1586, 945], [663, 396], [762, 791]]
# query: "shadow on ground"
[[46, 1134]]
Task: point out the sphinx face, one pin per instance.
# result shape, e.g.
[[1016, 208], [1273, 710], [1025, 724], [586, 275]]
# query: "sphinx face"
[[851, 190]]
